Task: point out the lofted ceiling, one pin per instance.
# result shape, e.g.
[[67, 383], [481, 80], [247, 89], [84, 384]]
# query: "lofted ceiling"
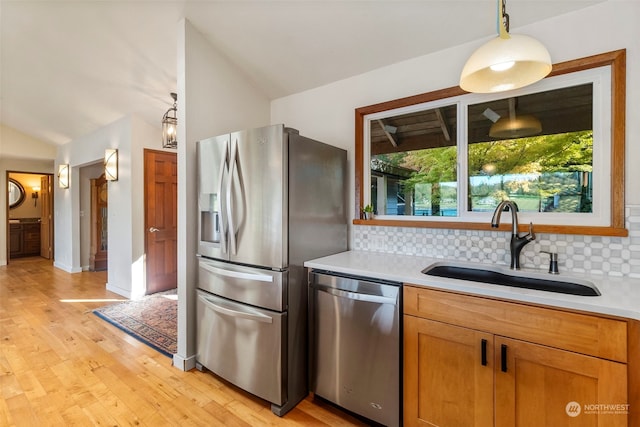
[[68, 68]]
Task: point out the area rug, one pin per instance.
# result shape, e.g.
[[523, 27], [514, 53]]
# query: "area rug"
[[152, 320]]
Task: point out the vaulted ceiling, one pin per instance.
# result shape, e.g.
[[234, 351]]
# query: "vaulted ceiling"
[[68, 68]]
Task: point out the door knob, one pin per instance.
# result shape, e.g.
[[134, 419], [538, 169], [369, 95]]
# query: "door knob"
[[153, 230]]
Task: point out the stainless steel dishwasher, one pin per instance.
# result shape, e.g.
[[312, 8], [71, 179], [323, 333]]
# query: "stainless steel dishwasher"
[[355, 341]]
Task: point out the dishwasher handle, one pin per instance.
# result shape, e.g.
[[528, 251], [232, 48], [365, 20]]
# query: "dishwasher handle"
[[377, 299]]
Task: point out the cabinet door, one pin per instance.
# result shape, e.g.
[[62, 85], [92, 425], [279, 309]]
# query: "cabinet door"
[[543, 386], [448, 375], [15, 240], [31, 239]]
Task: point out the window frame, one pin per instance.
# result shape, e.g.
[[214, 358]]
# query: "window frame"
[[616, 60]]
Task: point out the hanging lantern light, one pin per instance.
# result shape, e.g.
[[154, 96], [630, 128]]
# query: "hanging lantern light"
[[169, 125]]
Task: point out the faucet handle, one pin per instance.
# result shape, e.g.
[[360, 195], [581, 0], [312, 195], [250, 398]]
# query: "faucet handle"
[[531, 235], [553, 262]]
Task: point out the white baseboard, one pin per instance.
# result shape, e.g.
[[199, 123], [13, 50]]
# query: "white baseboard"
[[184, 364], [122, 292], [67, 268]]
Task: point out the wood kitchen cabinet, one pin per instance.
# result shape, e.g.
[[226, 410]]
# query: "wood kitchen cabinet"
[[445, 383], [474, 361]]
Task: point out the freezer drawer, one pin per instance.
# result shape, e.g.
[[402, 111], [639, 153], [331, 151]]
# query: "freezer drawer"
[[254, 286], [243, 345], [356, 345]]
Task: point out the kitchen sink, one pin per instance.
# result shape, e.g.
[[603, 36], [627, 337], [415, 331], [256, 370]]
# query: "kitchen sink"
[[516, 278]]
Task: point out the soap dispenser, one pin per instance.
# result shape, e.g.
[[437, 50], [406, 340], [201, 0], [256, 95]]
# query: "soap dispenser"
[[553, 262]]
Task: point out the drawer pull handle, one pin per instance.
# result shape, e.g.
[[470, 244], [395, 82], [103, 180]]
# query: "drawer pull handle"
[[503, 358], [235, 274], [256, 317], [483, 352]]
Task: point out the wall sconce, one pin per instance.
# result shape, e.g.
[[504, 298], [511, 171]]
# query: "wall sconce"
[[63, 176], [111, 164], [34, 195], [169, 125], [506, 62]]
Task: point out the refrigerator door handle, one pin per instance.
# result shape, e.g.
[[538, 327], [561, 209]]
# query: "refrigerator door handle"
[[223, 218], [236, 274], [258, 317], [377, 299], [230, 206]]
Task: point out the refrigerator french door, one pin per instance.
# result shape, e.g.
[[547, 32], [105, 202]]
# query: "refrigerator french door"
[[243, 208], [269, 199]]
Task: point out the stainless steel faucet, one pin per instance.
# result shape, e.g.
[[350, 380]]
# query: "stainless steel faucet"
[[517, 242]]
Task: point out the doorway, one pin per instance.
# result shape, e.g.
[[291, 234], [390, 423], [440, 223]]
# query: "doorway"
[[29, 215]]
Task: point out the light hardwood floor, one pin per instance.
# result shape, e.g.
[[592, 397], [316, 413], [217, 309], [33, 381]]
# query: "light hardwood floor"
[[61, 365]]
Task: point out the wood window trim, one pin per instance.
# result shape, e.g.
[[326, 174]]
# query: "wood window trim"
[[616, 59]]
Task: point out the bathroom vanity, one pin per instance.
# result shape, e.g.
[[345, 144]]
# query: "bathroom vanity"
[[24, 238]]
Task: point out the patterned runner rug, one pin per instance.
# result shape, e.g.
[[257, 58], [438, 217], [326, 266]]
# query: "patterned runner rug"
[[152, 320]]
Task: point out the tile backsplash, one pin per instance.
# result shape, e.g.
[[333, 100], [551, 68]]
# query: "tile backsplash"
[[615, 256]]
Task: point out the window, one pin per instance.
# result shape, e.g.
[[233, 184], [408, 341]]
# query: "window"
[[414, 162], [446, 159]]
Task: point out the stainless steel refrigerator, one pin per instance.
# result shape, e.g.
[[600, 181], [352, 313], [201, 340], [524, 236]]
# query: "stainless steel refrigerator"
[[269, 199]]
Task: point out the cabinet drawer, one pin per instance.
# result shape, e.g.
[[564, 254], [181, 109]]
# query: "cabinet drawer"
[[242, 344], [581, 333]]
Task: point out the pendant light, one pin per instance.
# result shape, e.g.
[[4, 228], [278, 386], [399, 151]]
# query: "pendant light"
[[510, 61], [515, 126], [169, 125]]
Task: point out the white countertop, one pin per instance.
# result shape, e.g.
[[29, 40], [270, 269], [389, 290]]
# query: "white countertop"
[[619, 296]]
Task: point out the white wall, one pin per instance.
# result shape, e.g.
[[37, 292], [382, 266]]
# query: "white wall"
[[214, 98], [327, 113], [130, 135], [22, 153]]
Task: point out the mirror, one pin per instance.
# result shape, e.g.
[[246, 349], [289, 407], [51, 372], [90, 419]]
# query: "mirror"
[[16, 193], [444, 159]]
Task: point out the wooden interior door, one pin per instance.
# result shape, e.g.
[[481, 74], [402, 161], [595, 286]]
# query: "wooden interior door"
[[161, 223], [448, 378], [545, 386], [46, 223]]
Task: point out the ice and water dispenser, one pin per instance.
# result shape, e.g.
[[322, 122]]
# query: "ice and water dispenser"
[[210, 227]]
